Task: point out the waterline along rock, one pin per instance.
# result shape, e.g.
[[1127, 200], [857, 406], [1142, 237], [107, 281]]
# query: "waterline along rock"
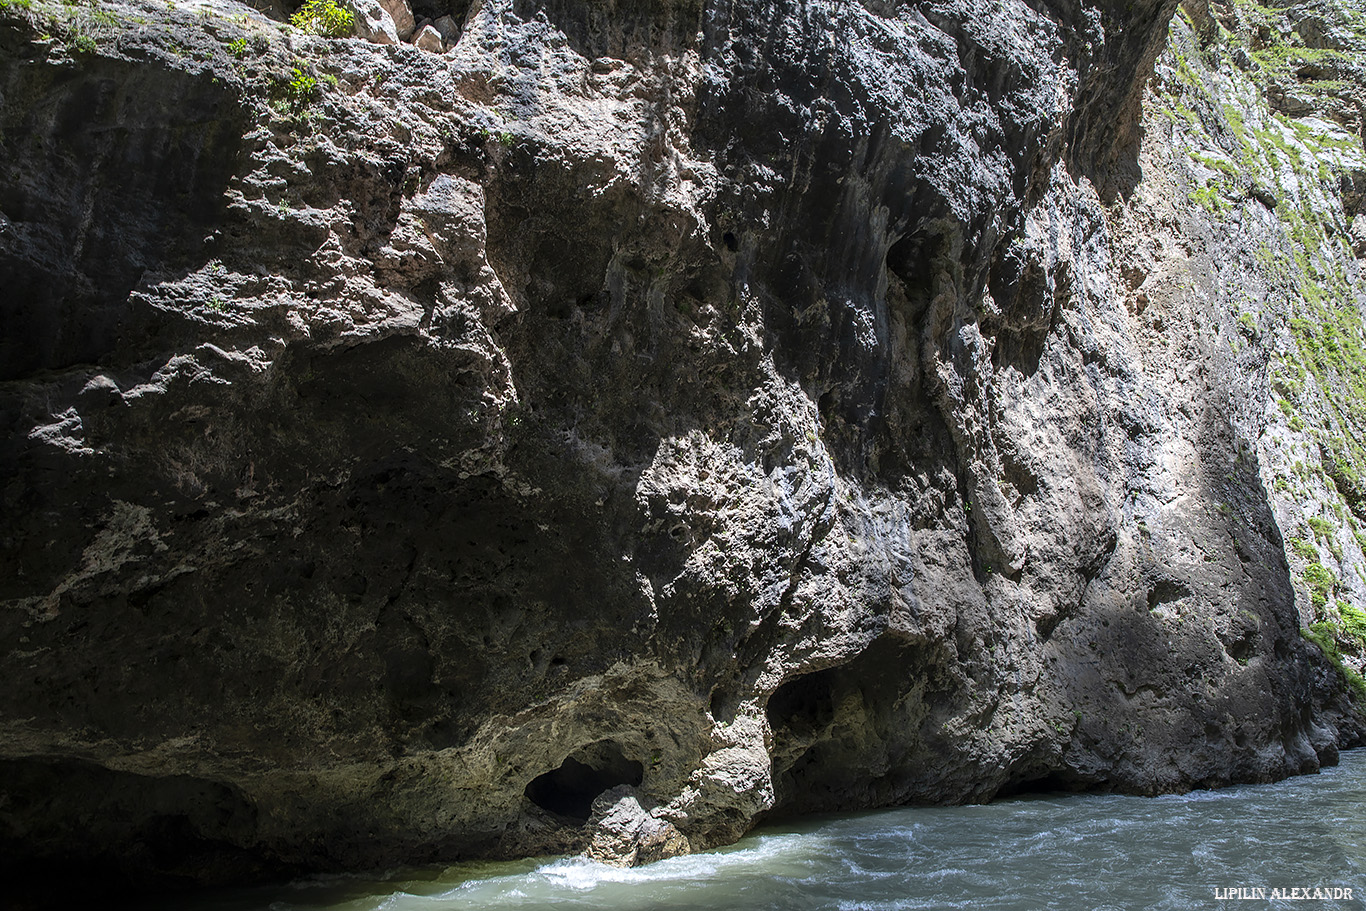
[[617, 422]]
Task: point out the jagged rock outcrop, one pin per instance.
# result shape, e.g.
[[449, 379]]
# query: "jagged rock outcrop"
[[730, 409]]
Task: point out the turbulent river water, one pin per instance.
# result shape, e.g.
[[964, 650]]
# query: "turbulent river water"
[[1207, 849]]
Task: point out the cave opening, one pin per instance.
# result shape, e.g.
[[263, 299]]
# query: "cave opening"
[[569, 790], [1056, 781], [863, 733], [915, 260], [803, 704], [435, 9]]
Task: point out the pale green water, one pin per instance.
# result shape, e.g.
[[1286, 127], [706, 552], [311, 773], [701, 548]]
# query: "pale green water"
[[1064, 852]]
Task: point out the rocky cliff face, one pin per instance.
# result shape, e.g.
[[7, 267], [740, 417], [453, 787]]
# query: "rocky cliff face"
[[639, 419]]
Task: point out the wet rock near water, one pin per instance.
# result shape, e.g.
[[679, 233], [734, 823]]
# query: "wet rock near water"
[[601, 427]]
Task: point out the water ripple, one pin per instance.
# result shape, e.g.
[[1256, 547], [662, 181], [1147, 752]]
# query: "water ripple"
[[1098, 852]]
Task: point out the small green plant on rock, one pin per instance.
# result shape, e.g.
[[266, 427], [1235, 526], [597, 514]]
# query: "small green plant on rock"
[[299, 90], [1325, 531], [324, 17], [1320, 582], [1208, 198]]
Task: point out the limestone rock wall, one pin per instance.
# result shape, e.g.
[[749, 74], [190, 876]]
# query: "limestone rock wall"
[[722, 409], [1254, 207]]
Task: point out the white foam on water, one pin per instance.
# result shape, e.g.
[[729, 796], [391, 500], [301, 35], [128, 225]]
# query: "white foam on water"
[[572, 876], [940, 874], [852, 867], [581, 874], [908, 834]]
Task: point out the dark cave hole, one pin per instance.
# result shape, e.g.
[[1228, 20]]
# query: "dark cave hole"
[[911, 260], [916, 259], [569, 790], [435, 9], [840, 416], [1052, 782], [803, 703], [730, 241]]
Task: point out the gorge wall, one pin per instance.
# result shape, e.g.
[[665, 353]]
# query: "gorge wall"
[[642, 418]]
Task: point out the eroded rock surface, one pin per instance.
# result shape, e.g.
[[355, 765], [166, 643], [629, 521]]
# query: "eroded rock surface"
[[639, 420]]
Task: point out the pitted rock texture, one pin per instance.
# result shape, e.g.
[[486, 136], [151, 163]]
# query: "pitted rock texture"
[[733, 409]]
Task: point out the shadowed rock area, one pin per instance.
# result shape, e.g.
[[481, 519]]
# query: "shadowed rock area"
[[619, 423]]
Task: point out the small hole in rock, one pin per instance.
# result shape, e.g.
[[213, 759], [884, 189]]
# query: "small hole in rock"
[[729, 240]]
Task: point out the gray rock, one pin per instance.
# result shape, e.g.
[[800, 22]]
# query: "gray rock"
[[373, 21], [429, 39], [402, 14], [623, 833], [449, 29]]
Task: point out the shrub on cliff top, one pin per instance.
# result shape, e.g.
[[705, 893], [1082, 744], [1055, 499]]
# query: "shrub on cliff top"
[[324, 17]]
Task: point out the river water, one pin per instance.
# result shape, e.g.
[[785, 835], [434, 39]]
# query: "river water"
[[1039, 852]]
